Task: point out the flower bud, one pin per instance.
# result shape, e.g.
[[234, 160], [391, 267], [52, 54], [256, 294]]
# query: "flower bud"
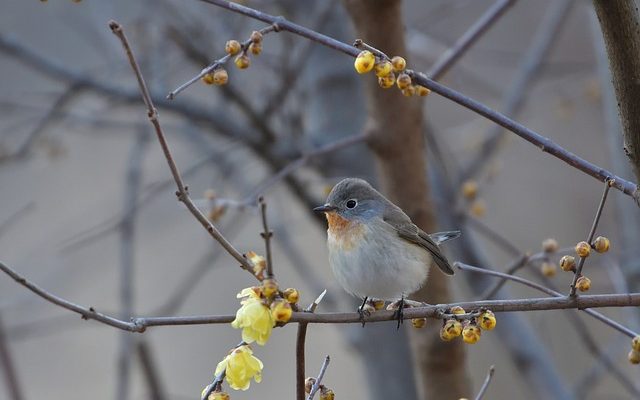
[[387, 81], [207, 79], [383, 68], [471, 334], [634, 357], [601, 244], [550, 245], [326, 393], [364, 62], [583, 249], [377, 304], [450, 330], [256, 37], [478, 208], [255, 48], [218, 396], [269, 287], [409, 91], [308, 384], [291, 295], [220, 76], [487, 320], [469, 189], [457, 310], [419, 323], [403, 81], [635, 343], [232, 47], [583, 284], [422, 91], [399, 63], [548, 269], [281, 310], [568, 263], [242, 61]]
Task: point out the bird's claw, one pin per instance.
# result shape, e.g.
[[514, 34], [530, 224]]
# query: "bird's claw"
[[398, 307]]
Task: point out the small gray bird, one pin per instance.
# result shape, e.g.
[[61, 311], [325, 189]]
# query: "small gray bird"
[[375, 251]]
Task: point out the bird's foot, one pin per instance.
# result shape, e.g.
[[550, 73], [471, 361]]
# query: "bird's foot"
[[398, 306], [364, 311]]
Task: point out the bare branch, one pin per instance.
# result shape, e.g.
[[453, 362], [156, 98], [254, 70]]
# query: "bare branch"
[[486, 383], [619, 327], [318, 381], [182, 193], [592, 232], [545, 144], [475, 32]]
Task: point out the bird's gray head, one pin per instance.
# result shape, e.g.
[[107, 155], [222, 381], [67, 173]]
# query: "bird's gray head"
[[354, 198]]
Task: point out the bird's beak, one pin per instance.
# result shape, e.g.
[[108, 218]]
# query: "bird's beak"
[[325, 208]]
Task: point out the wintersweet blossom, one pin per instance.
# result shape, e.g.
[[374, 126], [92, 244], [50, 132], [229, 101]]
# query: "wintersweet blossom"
[[254, 318], [239, 367]]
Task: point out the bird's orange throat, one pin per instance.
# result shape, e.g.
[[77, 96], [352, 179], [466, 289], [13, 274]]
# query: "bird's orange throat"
[[343, 232]]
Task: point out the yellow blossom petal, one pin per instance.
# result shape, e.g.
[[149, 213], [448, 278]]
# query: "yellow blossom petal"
[[240, 367], [255, 320]]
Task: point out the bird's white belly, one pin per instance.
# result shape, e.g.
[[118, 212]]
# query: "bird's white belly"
[[380, 264]]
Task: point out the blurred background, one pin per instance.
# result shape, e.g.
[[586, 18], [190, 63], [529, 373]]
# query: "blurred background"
[[88, 211]]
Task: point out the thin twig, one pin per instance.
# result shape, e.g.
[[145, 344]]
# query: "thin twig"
[[617, 326], [485, 384], [592, 232], [127, 241], [513, 268], [15, 217], [318, 381], [150, 371], [513, 100], [217, 63], [302, 160], [475, 32], [182, 193], [9, 368], [266, 235], [300, 345]]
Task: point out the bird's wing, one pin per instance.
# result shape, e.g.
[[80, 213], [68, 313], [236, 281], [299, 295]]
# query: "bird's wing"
[[407, 230]]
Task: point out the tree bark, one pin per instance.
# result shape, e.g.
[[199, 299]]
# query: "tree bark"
[[396, 125], [620, 27]]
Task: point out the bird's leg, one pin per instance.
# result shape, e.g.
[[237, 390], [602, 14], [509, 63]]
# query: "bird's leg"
[[399, 314], [363, 313]]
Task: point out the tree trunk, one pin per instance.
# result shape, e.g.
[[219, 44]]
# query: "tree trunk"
[[396, 125], [620, 26]]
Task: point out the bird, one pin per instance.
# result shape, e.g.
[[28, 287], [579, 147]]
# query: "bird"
[[375, 250]]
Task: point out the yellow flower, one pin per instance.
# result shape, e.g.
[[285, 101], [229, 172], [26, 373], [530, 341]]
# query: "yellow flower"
[[240, 366], [254, 318]]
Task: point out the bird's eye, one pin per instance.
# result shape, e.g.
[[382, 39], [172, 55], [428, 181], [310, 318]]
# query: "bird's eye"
[[352, 203]]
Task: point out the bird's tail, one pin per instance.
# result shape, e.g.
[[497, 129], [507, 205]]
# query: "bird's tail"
[[441, 237]]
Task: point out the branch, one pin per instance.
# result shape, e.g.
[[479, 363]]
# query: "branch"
[[621, 328], [486, 383], [475, 32], [300, 344], [513, 99], [316, 385], [619, 22], [592, 232], [182, 193], [140, 324], [545, 144]]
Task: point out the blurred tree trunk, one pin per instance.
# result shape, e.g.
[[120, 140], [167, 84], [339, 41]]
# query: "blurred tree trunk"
[[333, 109], [620, 23], [396, 125]]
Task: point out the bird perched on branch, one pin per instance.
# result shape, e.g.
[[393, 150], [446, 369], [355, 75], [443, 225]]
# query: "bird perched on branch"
[[375, 251]]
